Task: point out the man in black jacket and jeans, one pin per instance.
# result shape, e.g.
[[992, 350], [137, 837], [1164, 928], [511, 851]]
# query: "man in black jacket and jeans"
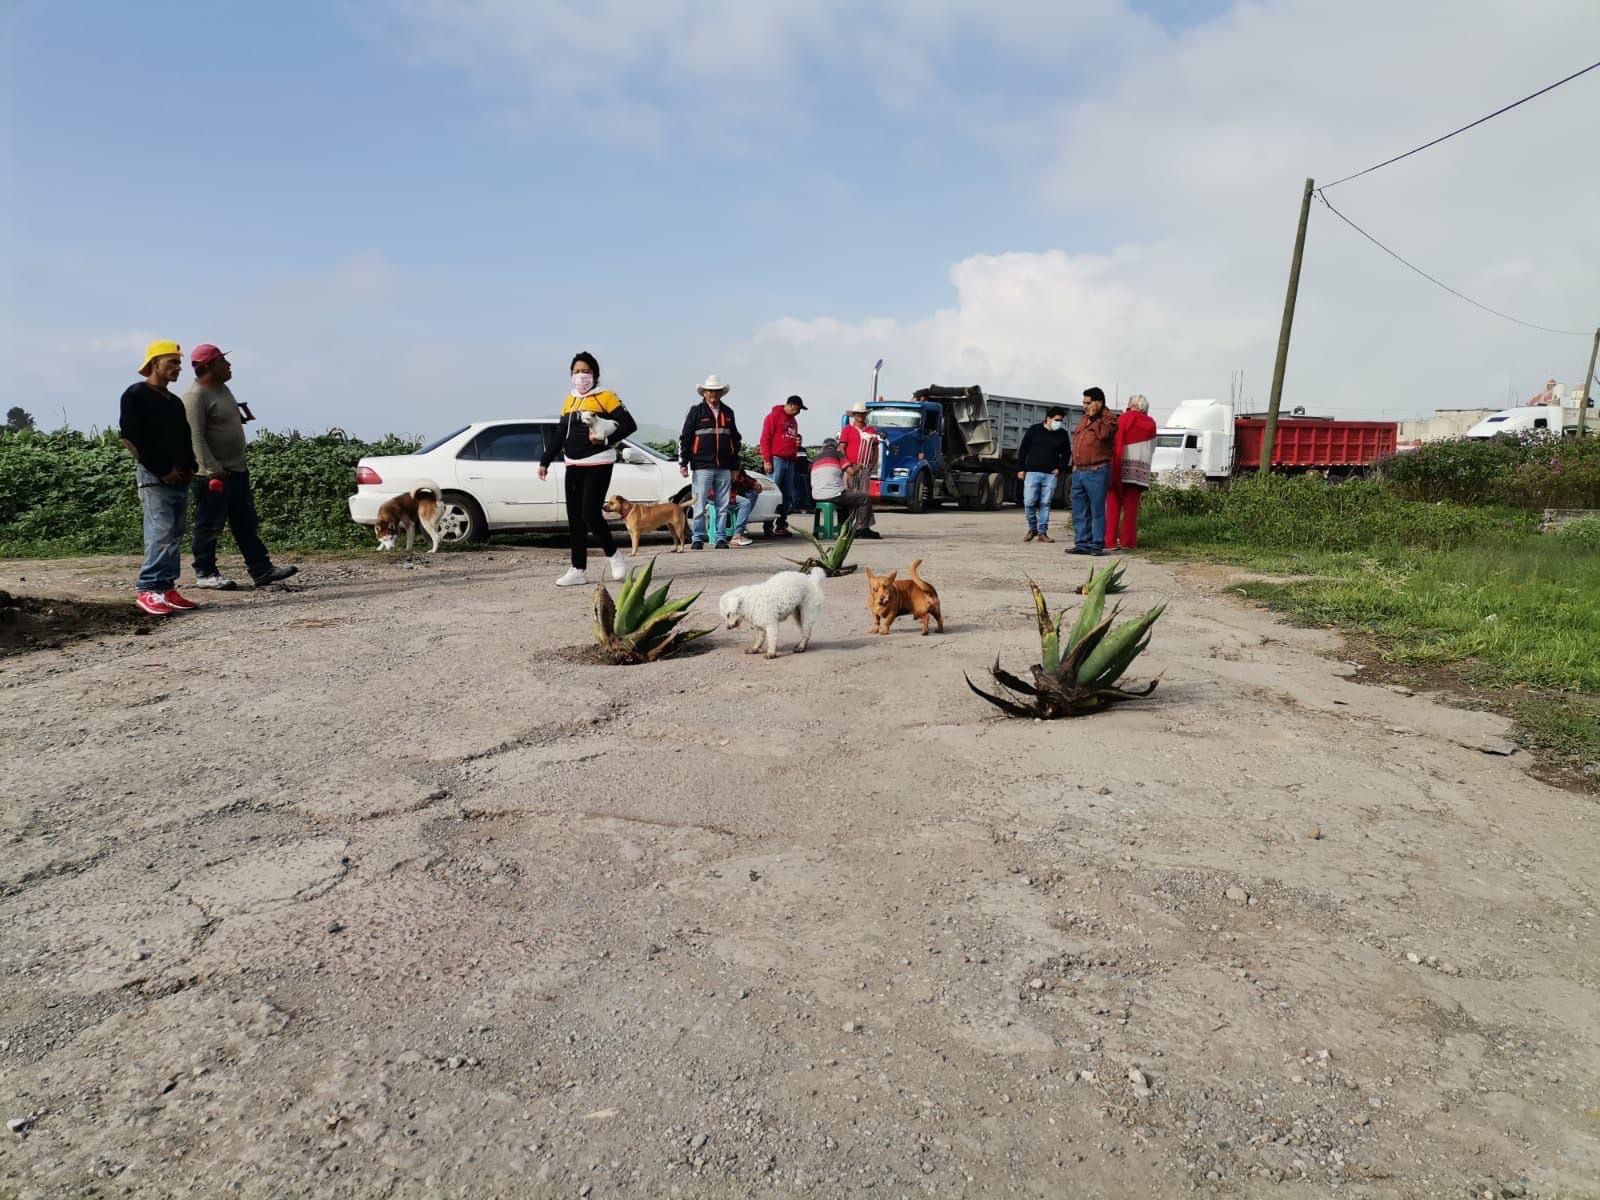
[[1045, 454], [156, 434], [709, 445]]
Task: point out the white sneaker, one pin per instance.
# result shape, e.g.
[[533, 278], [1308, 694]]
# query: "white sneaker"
[[573, 578], [619, 565], [215, 583], [741, 542]]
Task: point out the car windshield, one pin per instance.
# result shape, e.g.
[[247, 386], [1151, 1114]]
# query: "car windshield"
[[894, 418], [1169, 439], [434, 445]]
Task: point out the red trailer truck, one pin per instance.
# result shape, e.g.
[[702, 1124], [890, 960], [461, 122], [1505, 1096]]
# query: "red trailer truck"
[[1204, 437]]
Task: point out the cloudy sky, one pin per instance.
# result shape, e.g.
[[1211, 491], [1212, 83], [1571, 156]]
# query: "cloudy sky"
[[398, 214]]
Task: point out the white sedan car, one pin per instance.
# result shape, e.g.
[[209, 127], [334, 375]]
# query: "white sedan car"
[[488, 477]]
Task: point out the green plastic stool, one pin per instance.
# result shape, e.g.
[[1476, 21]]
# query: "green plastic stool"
[[825, 521], [715, 521]]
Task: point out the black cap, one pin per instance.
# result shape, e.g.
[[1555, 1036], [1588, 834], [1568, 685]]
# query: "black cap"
[[798, 401]]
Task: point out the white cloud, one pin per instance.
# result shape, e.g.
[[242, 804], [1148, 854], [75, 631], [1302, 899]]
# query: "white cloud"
[[1167, 168], [733, 75], [1199, 151]]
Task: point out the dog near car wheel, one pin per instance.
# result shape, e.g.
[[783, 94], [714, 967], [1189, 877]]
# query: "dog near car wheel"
[[461, 520]]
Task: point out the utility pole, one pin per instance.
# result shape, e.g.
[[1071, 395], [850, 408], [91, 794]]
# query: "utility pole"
[[1588, 385], [1270, 435]]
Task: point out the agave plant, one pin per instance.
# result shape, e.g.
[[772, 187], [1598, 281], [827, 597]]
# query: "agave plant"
[[1114, 583], [831, 557], [640, 626], [1077, 673]]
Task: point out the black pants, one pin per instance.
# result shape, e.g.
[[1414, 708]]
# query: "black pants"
[[587, 488], [234, 507]]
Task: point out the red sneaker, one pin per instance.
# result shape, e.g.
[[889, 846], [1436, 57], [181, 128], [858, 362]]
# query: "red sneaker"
[[176, 602], [154, 604]]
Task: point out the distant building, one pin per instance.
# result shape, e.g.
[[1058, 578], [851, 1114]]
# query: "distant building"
[[1553, 393], [1444, 424]]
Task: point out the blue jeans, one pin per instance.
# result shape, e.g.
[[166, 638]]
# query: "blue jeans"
[[164, 509], [1089, 506], [741, 514], [715, 485], [1037, 488], [783, 474]]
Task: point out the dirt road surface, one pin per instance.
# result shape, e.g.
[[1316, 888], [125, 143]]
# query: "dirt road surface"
[[371, 888]]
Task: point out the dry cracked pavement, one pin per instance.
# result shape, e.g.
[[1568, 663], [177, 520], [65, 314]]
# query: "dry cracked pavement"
[[373, 888]]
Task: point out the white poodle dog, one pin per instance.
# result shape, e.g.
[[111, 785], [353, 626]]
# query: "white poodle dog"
[[767, 605]]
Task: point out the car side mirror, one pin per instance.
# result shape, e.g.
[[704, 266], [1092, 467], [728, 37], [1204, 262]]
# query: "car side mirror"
[[636, 457]]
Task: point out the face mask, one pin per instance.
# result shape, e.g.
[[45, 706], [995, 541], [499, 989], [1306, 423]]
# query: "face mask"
[[582, 383], [1052, 426]]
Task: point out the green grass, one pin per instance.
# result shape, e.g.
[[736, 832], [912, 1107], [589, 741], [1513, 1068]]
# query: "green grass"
[[1521, 613], [1473, 591]]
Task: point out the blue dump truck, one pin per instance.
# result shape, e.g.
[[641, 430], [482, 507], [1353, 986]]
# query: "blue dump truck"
[[955, 443]]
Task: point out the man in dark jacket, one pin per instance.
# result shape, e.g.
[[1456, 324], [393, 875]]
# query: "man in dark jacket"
[[1045, 453], [156, 434], [709, 446]]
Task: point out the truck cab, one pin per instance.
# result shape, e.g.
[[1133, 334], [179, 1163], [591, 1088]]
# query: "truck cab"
[[1552, 419], [1198, 437], [911, 454]]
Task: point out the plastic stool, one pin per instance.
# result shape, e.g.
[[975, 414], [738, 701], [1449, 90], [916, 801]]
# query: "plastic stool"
[[714, 522], [825, 521]]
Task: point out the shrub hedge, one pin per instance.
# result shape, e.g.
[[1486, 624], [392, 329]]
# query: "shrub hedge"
[[73, 493]]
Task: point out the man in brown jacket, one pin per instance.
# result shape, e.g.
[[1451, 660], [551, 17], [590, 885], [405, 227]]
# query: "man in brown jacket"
[[1092, 444]]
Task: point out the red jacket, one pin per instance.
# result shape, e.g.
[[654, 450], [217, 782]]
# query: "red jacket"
[[780, 435], [1133, 426]]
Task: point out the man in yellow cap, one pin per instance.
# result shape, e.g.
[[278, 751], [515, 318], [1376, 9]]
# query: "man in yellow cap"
[[156, 433]]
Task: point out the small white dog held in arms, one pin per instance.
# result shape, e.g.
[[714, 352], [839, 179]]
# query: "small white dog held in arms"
[[600, 428], [767, 605]]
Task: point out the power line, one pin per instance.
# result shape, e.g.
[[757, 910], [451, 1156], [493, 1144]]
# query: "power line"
[[1463, 129], [1446, 286]]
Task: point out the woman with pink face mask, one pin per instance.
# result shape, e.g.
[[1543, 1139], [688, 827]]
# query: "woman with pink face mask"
[[593, 421]]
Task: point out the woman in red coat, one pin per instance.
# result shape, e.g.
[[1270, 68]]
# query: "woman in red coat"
[[1130, 473]]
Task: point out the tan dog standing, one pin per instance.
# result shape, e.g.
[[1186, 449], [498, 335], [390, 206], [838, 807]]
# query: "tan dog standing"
[[888, 598], [647, 518]]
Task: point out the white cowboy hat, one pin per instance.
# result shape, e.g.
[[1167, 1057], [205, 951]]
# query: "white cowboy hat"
[[714, 383], [858, 408]]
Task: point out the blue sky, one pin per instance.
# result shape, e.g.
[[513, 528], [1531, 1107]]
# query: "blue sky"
[[399, 213]]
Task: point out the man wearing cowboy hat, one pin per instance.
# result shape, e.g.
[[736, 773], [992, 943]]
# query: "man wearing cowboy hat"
[[709, 446], [154, 430], [858, 442]]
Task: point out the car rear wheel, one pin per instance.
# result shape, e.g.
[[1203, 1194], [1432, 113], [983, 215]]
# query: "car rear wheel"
[[461, 520]]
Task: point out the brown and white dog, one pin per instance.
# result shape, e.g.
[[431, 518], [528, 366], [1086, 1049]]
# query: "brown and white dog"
[[411, 511], [647, 518], [888, 598]]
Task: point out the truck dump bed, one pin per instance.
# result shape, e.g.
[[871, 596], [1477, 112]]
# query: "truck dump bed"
[[989, 426], [1313, 444]]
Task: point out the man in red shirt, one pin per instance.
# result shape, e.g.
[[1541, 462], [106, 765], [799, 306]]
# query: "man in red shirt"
[[780, 453], [858, 444]]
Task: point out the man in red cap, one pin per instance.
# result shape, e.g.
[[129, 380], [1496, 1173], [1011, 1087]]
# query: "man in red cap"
[[155, 433], [222, 488]]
